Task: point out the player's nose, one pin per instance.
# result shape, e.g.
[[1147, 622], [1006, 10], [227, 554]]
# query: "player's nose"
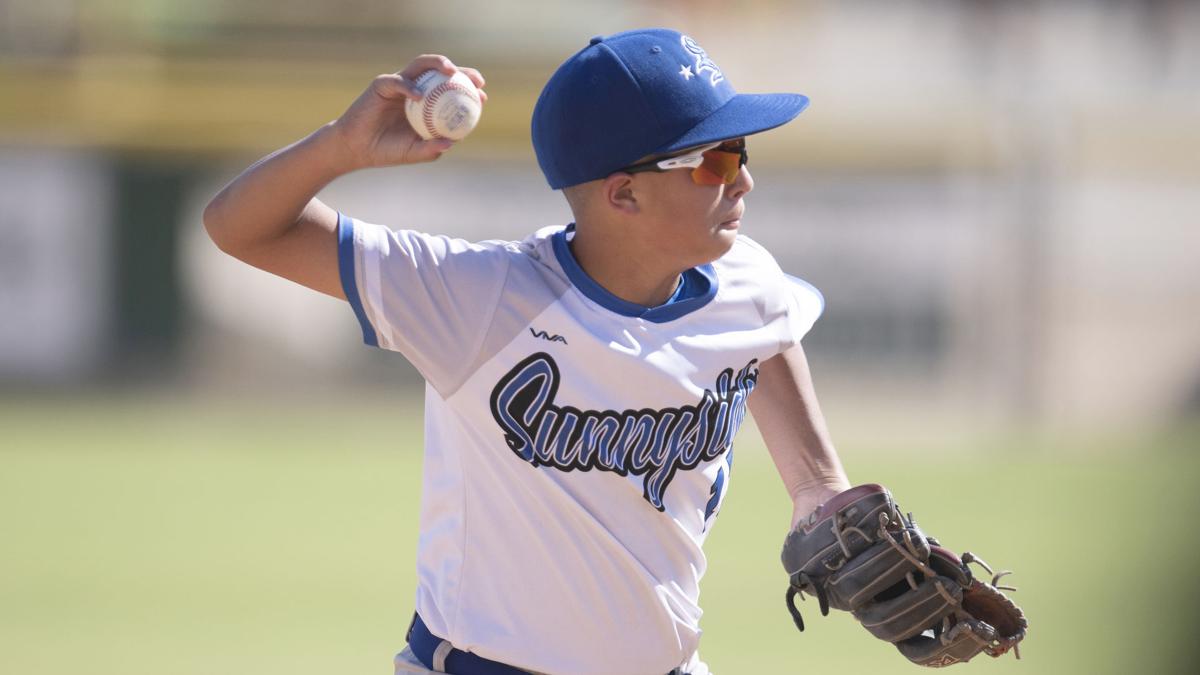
[[741, 186]]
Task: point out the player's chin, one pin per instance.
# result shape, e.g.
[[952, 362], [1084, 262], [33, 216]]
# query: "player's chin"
[[727, 232], [722, 240]]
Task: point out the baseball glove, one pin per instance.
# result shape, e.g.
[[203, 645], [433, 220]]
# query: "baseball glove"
[[858, 553]]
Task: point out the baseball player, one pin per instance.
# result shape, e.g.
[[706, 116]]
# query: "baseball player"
[[583, 385]]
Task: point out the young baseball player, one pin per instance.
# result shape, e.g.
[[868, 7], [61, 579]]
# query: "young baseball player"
[[584, 385]]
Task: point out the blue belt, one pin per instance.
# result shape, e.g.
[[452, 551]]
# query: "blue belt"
[[424, 644], [458, 662]]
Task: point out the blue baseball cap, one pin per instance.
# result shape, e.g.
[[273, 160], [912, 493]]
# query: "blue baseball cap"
[[637, 93]]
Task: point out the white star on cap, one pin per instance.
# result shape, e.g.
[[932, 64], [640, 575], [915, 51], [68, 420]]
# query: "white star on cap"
[[686, 72]]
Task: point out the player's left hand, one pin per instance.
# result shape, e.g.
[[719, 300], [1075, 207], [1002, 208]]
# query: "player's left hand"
[[374, 131]]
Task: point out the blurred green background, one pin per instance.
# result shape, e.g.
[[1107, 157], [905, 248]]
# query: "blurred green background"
[[148, 535], [202, 470]]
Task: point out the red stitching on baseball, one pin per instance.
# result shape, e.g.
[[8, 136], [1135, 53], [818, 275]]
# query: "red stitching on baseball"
[[432, 97]]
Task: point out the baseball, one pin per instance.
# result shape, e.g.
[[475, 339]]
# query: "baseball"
[[449, 108]]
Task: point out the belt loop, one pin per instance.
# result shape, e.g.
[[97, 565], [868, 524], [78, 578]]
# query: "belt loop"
[[439, 655]]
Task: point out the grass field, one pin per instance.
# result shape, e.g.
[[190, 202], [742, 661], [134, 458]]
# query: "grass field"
[[157, 536]]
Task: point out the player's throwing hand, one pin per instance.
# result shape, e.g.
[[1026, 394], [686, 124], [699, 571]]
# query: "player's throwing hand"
[[374, 130]]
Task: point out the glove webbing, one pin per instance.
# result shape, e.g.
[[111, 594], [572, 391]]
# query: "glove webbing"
[[948, 634], [968, 558]]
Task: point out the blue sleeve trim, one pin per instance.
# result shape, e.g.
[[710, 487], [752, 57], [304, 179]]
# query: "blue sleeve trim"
[[345, 239], [804, 284]]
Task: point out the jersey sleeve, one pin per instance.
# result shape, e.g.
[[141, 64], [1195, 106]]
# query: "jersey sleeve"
[[789, 305], [807, 305], [429, 297]]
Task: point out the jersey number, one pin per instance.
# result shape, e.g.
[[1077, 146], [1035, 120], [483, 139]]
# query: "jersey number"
[[718, 487]]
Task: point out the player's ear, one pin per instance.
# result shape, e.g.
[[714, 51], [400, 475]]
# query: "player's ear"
[[618, 194]]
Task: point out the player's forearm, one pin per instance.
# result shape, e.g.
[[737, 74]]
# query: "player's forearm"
[[268, 199], [784, 405]]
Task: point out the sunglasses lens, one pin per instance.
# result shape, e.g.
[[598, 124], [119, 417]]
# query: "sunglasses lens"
[[718, 168]]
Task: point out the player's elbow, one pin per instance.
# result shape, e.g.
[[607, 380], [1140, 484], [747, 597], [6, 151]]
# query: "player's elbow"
[[217, 226]]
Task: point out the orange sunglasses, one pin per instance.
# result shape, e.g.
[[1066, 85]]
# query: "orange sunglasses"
[[717, 164]]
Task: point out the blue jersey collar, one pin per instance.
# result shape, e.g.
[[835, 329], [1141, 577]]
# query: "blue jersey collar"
[[697, 289]]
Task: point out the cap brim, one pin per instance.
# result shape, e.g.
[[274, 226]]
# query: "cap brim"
[[742, 115]]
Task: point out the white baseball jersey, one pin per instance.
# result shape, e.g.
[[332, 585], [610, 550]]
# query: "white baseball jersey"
[[577, 446]]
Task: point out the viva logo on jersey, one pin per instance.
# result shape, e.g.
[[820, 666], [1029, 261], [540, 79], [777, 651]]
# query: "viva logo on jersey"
[[650, 443]]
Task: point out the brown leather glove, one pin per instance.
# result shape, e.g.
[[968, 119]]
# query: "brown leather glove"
[[858, 553]]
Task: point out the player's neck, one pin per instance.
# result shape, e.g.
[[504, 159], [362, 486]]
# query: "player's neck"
[[633, 275]]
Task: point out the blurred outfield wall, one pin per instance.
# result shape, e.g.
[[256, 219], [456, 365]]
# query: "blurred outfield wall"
[[998, 199]]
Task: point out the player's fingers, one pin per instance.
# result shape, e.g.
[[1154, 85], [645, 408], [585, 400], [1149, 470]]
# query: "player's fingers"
[[393, 86], [426, 62], [475, 76], [427, 151], [476, 79]]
